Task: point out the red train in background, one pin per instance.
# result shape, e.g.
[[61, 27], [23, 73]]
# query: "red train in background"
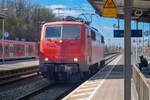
[[18, 49], [70, 50]]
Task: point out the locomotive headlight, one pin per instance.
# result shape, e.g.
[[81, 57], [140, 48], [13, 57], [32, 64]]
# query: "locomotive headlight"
[[75, 59], [46, 59], [60, 41]]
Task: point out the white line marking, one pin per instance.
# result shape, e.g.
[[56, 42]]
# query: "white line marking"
[[92, 85], [83, 99], [80, 94], [88, 89]]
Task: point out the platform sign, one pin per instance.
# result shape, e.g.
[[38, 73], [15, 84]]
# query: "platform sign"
[[109, 9], [118, 33], [134, 33], [140, 41], [134, 41], [6, 34]]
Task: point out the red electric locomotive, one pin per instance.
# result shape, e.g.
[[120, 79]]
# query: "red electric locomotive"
[[70, 50]]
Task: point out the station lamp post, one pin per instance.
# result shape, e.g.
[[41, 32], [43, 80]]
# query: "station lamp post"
[[3, 30], [3, 17]]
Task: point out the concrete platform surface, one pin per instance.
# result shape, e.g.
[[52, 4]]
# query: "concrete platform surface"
[[18, 64], [107, 84]]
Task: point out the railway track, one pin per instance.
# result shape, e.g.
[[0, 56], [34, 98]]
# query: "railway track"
[[50, 92], [54, 91], [7, 76]]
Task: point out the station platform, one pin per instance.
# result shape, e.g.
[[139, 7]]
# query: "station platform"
[[107, 84], [12, 65]]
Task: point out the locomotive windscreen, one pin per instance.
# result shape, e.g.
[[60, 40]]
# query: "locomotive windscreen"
[[71, 31], [65, 31], [53, 32]]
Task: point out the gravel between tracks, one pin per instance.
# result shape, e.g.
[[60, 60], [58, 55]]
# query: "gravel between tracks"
[[21, 88], [52, 93]]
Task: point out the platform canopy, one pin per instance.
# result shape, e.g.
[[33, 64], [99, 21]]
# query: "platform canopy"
[[2, 16], [138, 6]]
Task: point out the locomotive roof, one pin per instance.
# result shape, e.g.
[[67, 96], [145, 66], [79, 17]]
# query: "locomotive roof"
[[14, 41], [63, 23]]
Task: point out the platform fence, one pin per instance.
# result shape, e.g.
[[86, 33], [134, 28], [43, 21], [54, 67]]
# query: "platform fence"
[[142, 85]]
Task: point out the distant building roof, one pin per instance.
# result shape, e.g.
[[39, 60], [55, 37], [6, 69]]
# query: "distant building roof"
[[3, 16]]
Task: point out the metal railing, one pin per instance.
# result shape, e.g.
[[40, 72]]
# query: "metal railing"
[[142, 85]]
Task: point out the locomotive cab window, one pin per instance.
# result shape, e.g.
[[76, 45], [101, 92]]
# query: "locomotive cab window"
[[71, 31], [53, 32]]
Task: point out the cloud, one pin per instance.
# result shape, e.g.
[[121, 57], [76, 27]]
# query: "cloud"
[[86, 5], [63, 11], [106, 28], [67, 12], [55, 6]]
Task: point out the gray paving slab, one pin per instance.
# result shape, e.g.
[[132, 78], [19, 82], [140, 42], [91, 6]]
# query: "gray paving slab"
[[113, 87], [19, 64]]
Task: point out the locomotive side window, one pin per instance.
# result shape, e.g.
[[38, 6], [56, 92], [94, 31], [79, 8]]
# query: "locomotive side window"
[[71, 31], [102, 39], [53, 32], [87, 32], [98, 36], [93, 35]]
